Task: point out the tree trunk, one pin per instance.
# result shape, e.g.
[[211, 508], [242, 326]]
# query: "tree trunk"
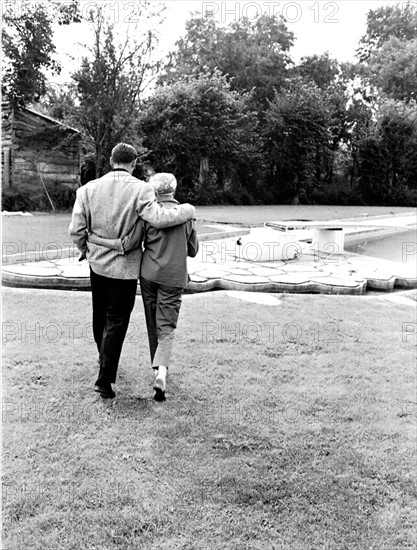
[[296, 183], [98, 161], [204, 168], [330, 174]]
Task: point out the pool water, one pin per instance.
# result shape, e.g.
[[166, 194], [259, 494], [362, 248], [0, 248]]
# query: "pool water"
[[400, 247]]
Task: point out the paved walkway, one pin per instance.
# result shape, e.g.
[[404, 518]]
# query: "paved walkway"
[[224, 264]]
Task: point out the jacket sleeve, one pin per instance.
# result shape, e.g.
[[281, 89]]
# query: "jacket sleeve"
[[156, 215], [78, 229], [113, 244], [192, 244], [135, 236], [130, 241]]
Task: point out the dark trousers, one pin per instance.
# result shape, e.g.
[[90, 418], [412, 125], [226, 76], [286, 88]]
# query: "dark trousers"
[[113, 301], [162, 307]]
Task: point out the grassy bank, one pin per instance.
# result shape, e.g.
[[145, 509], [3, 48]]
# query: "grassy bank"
[[43, 232], [286, 427], [257, 215]]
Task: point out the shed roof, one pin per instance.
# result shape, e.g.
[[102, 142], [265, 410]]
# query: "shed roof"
[[46, 117], [5, 106]]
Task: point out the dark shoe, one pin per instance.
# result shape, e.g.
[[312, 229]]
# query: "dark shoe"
[[105, 391], [159, 395]]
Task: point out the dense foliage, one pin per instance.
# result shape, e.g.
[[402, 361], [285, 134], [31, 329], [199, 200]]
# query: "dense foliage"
[[252, 54], [28, 48], [206, 134], [296, 141]]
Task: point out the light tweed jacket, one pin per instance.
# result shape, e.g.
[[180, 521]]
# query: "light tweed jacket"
[[109, 207]]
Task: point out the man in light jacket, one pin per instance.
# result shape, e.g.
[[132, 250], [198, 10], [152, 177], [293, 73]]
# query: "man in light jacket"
[[110, 207]]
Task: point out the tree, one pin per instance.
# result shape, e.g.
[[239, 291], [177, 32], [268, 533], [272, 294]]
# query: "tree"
[[388, 52], [333, 80], [253, 54], [203, 132], [359, 120], [28, 47], [320, 69], [394, 69], [59, 102], [110, 83], [399, 21], [388, 155], [297, 137]]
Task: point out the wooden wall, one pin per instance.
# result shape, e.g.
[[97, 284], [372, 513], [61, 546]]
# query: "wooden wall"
[[39, 150], [6, 144]]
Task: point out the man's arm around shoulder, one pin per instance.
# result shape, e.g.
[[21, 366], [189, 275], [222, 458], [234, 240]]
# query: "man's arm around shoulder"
[[158, 216]]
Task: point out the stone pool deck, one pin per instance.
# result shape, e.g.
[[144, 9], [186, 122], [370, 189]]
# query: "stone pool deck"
[[220, 265]]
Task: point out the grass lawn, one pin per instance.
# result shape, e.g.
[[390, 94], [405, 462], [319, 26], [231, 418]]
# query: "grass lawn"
[[287, 427], [44, 231]]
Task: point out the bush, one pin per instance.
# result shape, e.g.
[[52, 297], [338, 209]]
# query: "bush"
[[16, 201], [88, 169], [207, 193], [358, 197], [63, 198], [337, 196], [411, 197], [402, 197], [237, 197]]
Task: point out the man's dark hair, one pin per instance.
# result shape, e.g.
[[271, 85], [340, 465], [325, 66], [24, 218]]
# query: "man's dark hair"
[[123, 153]]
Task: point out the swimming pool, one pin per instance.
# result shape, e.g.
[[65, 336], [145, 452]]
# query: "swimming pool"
[[400, 247]]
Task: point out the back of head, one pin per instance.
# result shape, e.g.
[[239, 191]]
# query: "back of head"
[[123, 153], [163, 183]]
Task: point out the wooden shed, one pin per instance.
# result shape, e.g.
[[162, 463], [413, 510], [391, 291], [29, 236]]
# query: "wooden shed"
[[37, 151]]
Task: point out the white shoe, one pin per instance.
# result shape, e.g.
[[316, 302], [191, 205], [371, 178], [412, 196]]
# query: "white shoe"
[[160, 384]]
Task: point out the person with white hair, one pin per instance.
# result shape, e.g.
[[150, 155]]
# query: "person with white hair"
[[163, 278]]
